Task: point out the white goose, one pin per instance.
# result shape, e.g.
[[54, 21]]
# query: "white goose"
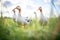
[[18, 18], [43, 19]]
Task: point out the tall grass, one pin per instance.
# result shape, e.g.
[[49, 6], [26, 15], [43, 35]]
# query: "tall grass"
[[9, 30]]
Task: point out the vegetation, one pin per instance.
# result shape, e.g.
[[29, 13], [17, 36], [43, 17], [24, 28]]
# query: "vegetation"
[[9, 30]]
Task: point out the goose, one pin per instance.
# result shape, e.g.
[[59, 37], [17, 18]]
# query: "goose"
[[20, 19], [43, 20]]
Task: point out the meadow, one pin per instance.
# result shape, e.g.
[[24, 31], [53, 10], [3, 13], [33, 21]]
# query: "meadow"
[[9, 30]]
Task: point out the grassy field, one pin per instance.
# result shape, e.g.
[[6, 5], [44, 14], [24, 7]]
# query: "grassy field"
[[9, 30]]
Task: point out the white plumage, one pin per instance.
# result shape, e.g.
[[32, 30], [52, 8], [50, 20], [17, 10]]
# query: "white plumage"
[[20, 19], [43, 20]]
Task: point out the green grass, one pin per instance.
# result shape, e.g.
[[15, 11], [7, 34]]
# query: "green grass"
[[9, 30]]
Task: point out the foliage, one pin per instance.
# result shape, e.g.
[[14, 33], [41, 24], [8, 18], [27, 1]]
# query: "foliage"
[[9, 30]]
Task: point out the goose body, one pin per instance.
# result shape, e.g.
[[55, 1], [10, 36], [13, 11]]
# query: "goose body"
[[20, 19], [43, 20]]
